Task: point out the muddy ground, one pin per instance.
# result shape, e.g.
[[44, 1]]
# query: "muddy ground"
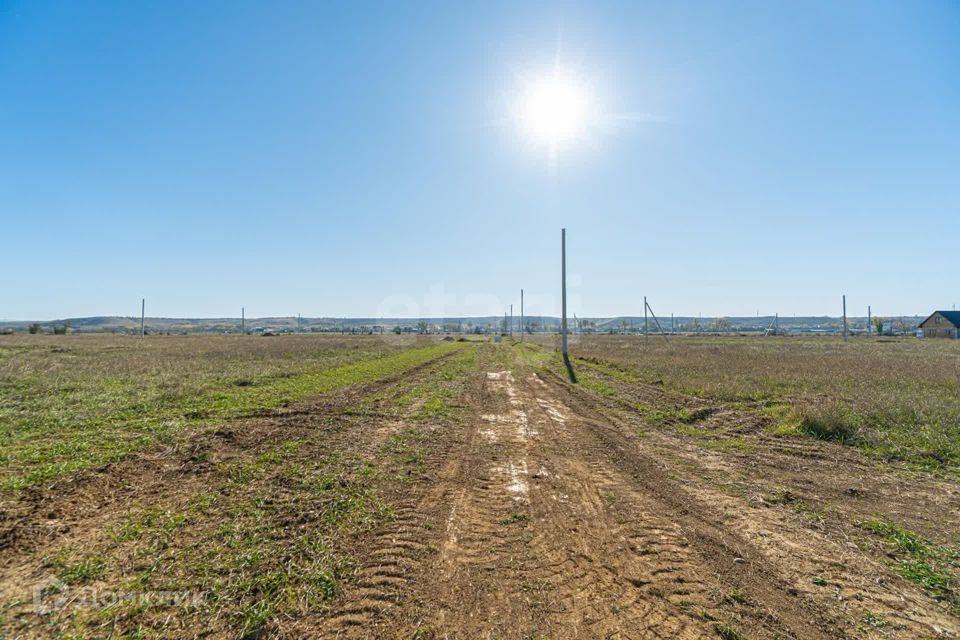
[[534, 509]]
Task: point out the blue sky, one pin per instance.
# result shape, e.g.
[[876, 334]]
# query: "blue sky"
[[356, 159]]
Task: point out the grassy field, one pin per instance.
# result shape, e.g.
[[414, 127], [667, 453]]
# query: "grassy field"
[[260, 529], [268, 537], [72, 402], [315, 486], [897, 398]]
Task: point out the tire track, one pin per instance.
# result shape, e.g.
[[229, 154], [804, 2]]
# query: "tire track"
[[778, 608], [483, 556], [592, 561], [626, 573], [382, 600], [382, 579], [832, 488]]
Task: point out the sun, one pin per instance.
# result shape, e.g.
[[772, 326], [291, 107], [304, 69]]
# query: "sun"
[[554, 109]]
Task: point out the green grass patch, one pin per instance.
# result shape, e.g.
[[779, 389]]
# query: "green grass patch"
[[874, 620], [408, 448], [832, 421], [515, 518], [596, 385], [933, 567], [77, 570], [437, 395], [784, 419], [727, 632], [52, 428], [270, 543]]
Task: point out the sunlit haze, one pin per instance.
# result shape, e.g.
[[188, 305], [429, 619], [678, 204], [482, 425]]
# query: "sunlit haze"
[[555, 108]]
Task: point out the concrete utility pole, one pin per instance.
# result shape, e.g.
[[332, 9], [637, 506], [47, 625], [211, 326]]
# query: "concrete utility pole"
[[243, 321], [845, 318], [521, 315], [656, 321], [511, 321], [143, 311], [563, 299], [869, 319], [645, 321], [673, 326]]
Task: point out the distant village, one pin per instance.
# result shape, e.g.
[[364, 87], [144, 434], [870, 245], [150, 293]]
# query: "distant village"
[[939, 324]]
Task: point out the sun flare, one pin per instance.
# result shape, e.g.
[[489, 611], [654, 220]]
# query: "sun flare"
[[554, 109]]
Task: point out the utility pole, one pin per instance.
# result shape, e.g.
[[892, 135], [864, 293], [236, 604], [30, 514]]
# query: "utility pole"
[[673, 326], [776, 324], [521, 315], [869, 320], [143, 311], [243, 321], [645, 321], [563, 297], [511, 321], [659, 328], [845, 318]]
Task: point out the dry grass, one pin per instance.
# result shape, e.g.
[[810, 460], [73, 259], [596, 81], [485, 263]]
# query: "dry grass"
[[898, 398]]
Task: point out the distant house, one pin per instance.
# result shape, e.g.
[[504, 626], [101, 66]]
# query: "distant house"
[[942, 324]]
